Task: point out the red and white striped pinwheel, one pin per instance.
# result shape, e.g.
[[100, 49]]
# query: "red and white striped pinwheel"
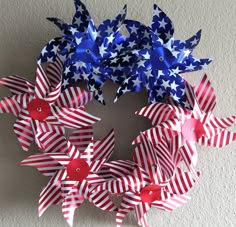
[[73, 169], [42, 104], [184, 128], [154, 182]]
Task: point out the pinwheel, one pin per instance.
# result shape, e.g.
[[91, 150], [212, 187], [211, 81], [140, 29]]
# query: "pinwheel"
[[160, 60], [43, 105], [73, 169], [154, 182], [85, 48], [184, 128]]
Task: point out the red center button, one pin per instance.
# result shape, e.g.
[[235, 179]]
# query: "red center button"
[[151, 193], [78, 170], [39, 109], [193, 130]]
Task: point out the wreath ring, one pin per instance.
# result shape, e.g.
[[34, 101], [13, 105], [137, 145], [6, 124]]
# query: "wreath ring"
[[77, 166]]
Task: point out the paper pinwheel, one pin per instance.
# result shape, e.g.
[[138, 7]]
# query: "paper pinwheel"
[[85, 48], [73, 169], [184, 128], [152, 183], [43, 105], [160, 60]]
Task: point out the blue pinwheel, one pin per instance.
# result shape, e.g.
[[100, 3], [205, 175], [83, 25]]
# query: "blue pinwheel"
[[160, 59], [85, 48]]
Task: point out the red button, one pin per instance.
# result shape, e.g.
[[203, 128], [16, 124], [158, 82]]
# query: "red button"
[[78, 170], [151, 193], [38, 109], [193, 130]]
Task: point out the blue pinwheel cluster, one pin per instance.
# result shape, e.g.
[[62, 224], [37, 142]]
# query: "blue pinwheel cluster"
[[147, 58]]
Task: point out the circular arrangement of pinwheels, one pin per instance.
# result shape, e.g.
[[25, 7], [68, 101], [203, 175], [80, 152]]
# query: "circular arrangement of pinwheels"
[[51, 112]]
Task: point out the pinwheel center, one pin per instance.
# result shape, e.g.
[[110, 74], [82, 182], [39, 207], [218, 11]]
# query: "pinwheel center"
[[39, 109], [78, 170], [87, 51], [151, 193], [161, 58], [193, 130]]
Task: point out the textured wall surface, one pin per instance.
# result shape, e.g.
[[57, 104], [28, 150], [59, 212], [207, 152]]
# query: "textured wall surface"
[[24, 31]]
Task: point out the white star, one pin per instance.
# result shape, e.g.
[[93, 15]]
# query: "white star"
[[85, 76], [100, 98], [73, 30], [96, 70], [147, 46], [136, 52], [78, 40], [92, 88], [67, 70], [146, 56], [126, 58], [95, 77], [174, 85], [67, 46], [168, 35], [113, 55], [63, 58], [186, 104], [110, 38], [76, 77], [149, 74], [123, 12], [114, 78], [187, 52], [119, 67], [197, 60], [65, 83], [132, 44], [78, 22], [141, 63], [160, 73], [49, 59], [176, 71], [190, 67], [175, 53], [102, 50], [125, 90], [160, 92], [204, 65], [114, 60], [175, 98], [119, 47], [54, 49], [136, 82], [133, 29], [162, 23], [165, 84], [146, 34], [194, 42], [172, 73], [79, 64], [157, 12], [109, 30], [44, 51]]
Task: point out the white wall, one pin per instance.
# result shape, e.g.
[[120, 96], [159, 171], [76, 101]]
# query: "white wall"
[[24, 31]]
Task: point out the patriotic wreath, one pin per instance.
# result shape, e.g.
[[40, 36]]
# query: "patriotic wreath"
[[164, 162]]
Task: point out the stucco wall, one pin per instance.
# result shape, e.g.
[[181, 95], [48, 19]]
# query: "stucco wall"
[[24, 31]]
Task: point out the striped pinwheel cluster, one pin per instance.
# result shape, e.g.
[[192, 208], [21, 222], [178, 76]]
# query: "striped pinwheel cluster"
[[156, 177], [51, 112]]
